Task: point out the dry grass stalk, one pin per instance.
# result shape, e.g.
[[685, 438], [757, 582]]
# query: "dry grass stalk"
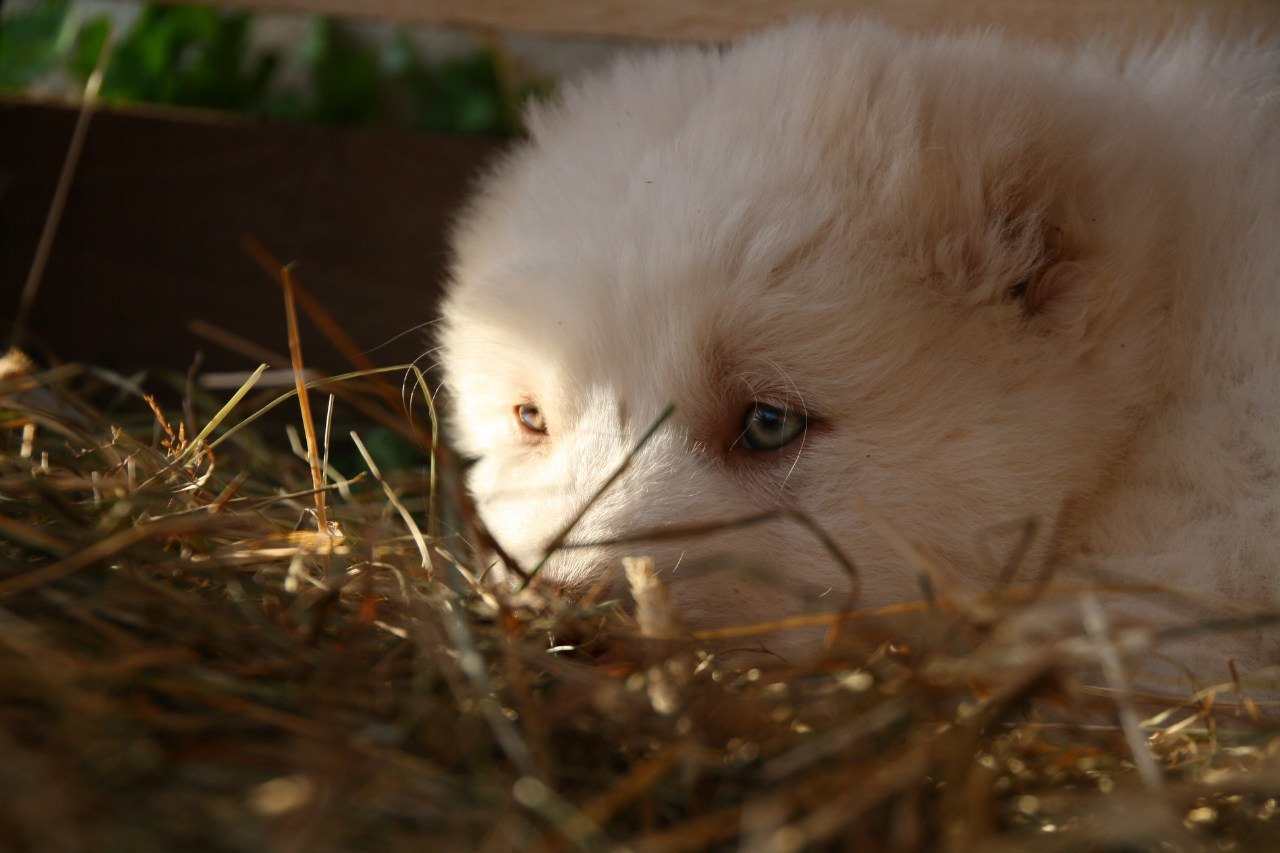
[[308, 422], [66, 176]]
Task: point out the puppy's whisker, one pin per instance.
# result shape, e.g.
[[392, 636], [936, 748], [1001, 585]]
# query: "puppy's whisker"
[[409, 331], [407, 386]]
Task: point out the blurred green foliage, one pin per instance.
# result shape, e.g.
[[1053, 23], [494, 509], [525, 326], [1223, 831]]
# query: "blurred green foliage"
[[200, 57], [34, 43]]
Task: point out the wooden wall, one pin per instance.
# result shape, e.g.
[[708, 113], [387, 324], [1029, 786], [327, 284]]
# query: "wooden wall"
[[151, 238]]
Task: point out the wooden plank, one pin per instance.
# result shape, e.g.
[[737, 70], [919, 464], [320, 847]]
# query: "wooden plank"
[[717, 20], [151, 238]]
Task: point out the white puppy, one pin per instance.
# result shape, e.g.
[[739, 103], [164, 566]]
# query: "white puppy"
[[967, 280]]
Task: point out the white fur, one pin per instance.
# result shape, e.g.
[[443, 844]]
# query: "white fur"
[[834, 216]]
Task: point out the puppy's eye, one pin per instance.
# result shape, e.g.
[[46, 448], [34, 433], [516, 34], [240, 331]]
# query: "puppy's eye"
[[771, 428], [530, 417]]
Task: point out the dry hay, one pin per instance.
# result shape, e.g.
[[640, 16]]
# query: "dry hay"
[[197, 654]]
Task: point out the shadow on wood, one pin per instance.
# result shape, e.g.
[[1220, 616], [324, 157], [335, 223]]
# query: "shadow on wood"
[[151, 238]]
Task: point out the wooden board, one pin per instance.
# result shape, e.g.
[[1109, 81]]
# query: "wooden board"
[[151, 238], [716, 20]]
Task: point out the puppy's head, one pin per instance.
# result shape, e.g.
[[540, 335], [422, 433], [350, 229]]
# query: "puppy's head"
[[925, 272]]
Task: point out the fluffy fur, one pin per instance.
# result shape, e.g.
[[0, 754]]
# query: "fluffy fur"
[[1003, 281]]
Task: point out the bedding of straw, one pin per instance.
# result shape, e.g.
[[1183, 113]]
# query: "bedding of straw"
[[210, 644]]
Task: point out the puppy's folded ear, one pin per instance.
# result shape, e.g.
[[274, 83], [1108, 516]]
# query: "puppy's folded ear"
[[1005, 231], [1052, 285], [1057, 293]]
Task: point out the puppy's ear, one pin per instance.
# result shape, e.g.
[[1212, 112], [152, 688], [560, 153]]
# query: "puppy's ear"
[[1003, 232], [1051, 286]]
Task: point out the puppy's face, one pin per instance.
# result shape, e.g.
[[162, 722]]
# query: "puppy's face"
[[917, 272]]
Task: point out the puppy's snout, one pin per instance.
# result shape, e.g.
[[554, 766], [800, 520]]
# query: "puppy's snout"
[[589, 573], [585, 586]]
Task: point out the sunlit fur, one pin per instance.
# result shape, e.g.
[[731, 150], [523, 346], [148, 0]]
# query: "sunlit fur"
[[1005, 281]]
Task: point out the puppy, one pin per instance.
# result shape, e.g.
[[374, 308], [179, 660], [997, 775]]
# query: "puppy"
[[955, 281]]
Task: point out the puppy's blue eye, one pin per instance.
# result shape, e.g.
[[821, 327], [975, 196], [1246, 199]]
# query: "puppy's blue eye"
[[771, 428], [531, 418]]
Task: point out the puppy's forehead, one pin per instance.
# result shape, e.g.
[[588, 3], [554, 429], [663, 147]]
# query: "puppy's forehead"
[[693, 167], [697, 203], [659, 234], [665, 301]]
